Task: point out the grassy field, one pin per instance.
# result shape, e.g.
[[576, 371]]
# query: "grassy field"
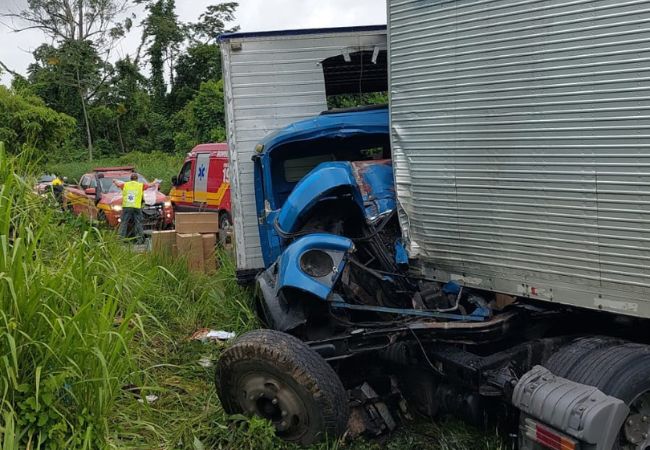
[[89, 328], [151, 165]]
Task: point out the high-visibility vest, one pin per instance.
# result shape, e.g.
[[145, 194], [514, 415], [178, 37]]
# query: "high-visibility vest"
[[132, 194]]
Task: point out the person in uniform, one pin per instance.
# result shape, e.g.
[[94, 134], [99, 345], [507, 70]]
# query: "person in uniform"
[[132, 195]]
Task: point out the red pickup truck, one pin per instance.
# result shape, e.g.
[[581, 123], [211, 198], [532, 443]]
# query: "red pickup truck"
[[97, 198], [202, 183]]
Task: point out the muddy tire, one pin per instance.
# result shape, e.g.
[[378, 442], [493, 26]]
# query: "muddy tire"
[[225, 226], [563, 362], [101, 218], [620, 369], [276, 376]]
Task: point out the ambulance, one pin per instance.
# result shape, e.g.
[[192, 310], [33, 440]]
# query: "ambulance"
[[202, 184]]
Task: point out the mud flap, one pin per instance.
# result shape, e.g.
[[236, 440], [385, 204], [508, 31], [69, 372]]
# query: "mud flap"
[[580, 411]]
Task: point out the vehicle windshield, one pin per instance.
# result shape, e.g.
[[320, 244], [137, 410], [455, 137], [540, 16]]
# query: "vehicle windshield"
[[46, 178], [108, 186]]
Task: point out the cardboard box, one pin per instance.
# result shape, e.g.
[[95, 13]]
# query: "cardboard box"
[[209, 255], [503, 300], [207, 222], [162, 242], [190, 247]]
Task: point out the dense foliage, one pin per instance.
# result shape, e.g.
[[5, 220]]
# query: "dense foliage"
[[27, 124], [165, 98]]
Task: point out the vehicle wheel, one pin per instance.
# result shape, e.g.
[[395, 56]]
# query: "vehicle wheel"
[[276, 376], [101, 217], [562, 362], [225, 226], [621, 370]]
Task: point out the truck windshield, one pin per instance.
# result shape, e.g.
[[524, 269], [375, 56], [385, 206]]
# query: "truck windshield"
[[108, 186], [291, 162]]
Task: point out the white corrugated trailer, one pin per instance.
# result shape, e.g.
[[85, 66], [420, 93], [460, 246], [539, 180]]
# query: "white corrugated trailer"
[[521, 142], [272, 79]]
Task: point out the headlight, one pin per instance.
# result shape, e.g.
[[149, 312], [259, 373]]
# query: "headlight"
[[116, 208], [316, 263], [167, 204]]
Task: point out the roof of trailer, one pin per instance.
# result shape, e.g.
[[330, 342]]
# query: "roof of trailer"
[[304, 31]]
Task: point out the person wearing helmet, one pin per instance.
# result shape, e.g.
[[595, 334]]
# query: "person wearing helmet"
[[57, 189], [132, 194]]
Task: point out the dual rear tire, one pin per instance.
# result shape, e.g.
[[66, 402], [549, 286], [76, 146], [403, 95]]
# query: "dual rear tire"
[[617, 368]]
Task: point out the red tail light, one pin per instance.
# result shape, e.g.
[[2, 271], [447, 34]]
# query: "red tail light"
[[548, 437]]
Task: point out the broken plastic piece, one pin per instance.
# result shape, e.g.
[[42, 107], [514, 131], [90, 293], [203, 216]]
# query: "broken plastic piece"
[[206, 334]]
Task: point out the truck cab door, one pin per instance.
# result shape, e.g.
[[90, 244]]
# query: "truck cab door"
[[269, 239], [181, 194], [201, 180], [87, 200]]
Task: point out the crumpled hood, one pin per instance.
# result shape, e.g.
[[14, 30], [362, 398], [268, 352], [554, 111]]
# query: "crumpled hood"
[[371, 182], [376, 185]]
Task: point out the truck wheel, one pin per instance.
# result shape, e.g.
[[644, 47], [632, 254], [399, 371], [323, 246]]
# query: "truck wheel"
[[562, 362], [276, 376], [225, 226], [621, 370]]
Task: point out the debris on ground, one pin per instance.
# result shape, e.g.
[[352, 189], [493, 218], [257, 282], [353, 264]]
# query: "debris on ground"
[[206, 334], [137, 393], [205, 362], [149, 399]]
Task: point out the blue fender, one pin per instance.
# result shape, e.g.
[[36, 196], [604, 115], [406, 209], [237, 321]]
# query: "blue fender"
[[324, 179], [291, 275]]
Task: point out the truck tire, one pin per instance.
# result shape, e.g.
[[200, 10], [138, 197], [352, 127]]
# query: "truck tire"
[[276, 376], [562, 362], [617, 368], [225, 227]]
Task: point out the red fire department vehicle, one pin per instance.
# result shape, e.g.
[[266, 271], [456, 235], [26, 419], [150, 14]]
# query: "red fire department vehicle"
[[202, 184]]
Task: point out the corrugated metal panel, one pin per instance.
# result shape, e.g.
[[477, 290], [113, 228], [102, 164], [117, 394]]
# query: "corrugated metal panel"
[[521, 139], [271, 81]]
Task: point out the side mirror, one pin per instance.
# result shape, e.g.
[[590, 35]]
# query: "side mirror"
[[90, 191], [175, 180]]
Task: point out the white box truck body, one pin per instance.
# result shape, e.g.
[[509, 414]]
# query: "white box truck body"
[[520, 136]]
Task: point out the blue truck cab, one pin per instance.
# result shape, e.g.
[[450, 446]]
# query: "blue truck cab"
[[329, 232], [318, 183]]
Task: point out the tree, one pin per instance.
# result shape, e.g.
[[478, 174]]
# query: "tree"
[[80, 28], [202, 119], [25, 122], [67, 78], [199, 63], [213, 22], [162, 34], [74, 20]]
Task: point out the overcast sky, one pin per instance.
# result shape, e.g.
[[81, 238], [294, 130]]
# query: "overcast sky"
[[252, 15]]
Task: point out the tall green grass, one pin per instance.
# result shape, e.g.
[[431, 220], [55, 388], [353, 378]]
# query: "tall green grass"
[[65, 354]]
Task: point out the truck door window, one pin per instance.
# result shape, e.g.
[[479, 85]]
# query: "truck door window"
[[85, 182], [186, 170]]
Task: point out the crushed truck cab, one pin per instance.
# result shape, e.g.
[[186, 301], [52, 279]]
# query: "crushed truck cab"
[[321, 184]]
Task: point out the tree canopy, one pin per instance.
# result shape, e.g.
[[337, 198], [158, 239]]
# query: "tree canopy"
[[166, 97]]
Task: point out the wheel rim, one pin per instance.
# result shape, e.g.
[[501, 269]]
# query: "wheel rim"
[[265, 396], [636, 431]]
